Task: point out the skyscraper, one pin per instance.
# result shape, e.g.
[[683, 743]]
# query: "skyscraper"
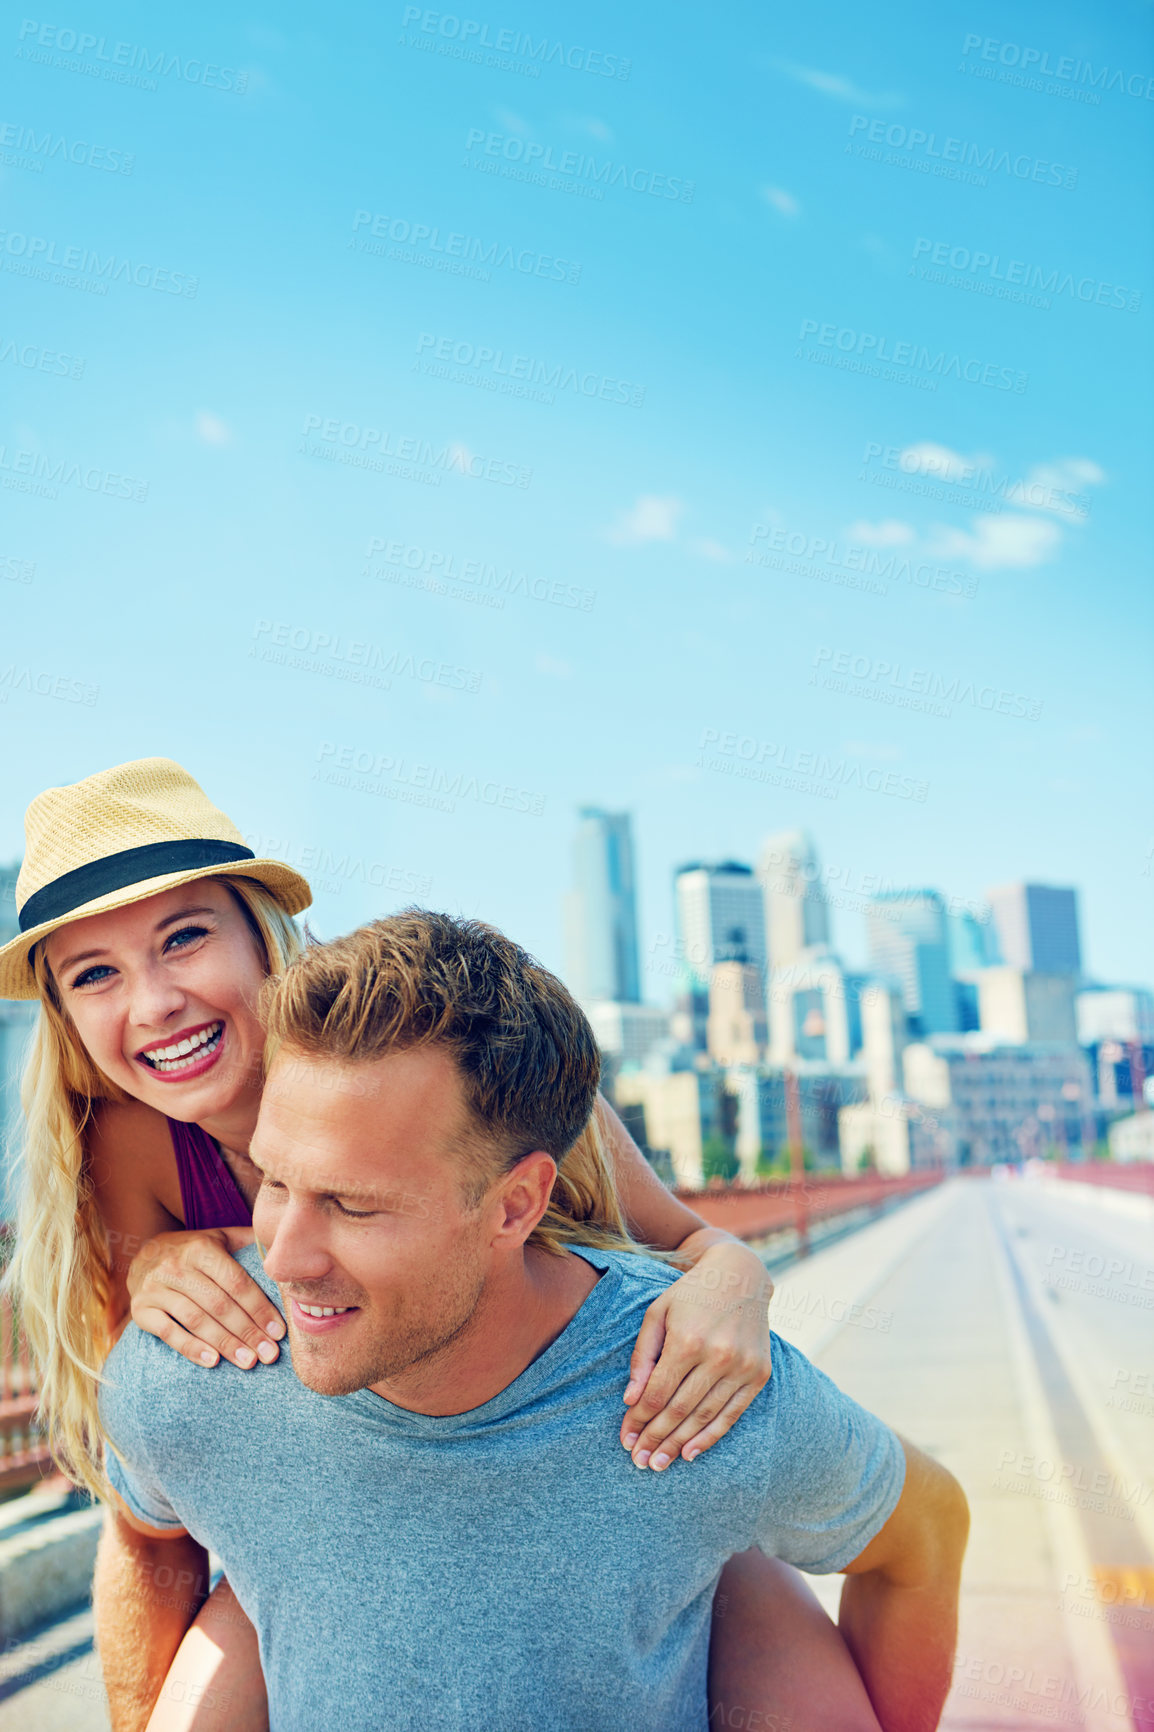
[[720, 918], [1037, 927], [796, 912], [908, 943], [601, 910]]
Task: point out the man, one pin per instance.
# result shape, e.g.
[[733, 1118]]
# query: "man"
[[432, 1523]]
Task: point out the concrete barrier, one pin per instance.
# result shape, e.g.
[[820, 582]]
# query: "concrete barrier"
[[47, 1552]]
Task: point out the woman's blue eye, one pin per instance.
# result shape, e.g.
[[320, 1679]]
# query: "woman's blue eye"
[[186, 935], [90, 975]]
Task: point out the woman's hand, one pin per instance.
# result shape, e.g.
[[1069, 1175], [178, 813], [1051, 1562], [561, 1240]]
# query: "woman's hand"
[[188, 1290], [701, 1357]]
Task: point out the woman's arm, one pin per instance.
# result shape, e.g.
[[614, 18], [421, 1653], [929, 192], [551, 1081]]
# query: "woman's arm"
[[183, 1287], [702, 1354]]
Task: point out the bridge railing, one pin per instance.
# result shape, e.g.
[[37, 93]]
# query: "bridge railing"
[[756, 1211], [24, 1456], [1136, 1177]]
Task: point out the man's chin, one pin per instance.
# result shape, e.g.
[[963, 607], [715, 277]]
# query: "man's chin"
[[321, 1369]]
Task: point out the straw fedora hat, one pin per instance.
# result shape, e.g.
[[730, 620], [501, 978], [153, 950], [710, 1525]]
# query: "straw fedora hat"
[[119, 837]]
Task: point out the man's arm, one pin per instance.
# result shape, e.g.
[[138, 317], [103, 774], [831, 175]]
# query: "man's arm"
[[148, 1586], [899, 1605]]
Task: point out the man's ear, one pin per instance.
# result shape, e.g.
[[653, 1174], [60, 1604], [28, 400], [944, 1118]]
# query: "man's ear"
[[524, 1197]]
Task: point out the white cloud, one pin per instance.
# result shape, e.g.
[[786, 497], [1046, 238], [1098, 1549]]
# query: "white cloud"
[[598, 129], [712, 550], [888, 533], [939, 463], [650, 519], [1058, 486], [1006, 542], [782, 201], [212, 429], [840, 89], [550, 665]]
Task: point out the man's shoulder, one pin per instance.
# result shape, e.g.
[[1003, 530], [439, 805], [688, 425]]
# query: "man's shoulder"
[[142, 1370], [639, 1275]]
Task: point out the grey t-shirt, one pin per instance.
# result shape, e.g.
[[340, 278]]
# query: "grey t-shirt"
[[507, 1568]]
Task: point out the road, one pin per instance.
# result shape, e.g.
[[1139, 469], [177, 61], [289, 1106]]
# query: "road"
[[1008, 1329]]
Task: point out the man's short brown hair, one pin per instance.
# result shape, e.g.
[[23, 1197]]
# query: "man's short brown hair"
[[524, 1050]]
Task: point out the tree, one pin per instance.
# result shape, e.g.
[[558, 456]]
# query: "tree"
[[718, 1160]]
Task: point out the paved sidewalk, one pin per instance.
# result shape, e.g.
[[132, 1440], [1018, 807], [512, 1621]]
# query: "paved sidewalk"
[[963, 1341]]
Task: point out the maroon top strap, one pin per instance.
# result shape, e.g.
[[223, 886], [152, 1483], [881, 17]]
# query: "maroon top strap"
[[208, 1190]]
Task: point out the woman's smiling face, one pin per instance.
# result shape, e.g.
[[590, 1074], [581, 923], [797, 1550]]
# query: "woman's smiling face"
[[163, 997]]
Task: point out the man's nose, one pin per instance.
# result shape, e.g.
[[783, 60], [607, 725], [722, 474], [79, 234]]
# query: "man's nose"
[[296, 1250]]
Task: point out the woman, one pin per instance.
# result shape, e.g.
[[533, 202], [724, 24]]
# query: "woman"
[[147, 929]]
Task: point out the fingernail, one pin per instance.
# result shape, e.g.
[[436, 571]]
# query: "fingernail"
[[275, 1329], [631, 1438], [641, 1459], [692, 1454], [267, 1351], [659, 1461], [208, 1357], [630, 1394], [245, 1356]]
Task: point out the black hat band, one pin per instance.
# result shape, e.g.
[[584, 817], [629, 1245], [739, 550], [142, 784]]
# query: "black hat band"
[[131, 866]]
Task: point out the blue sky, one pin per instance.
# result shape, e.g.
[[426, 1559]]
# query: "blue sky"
[[795, 516]]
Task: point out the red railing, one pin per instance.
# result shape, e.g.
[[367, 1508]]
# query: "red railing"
[[1134, 1176], [755, 1211], [24, 1456]]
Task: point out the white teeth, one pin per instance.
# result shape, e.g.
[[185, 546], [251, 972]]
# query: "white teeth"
[[324, 1310], [178, 1056]]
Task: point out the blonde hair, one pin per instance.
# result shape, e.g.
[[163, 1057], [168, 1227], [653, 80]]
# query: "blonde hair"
[[60, 1273]]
